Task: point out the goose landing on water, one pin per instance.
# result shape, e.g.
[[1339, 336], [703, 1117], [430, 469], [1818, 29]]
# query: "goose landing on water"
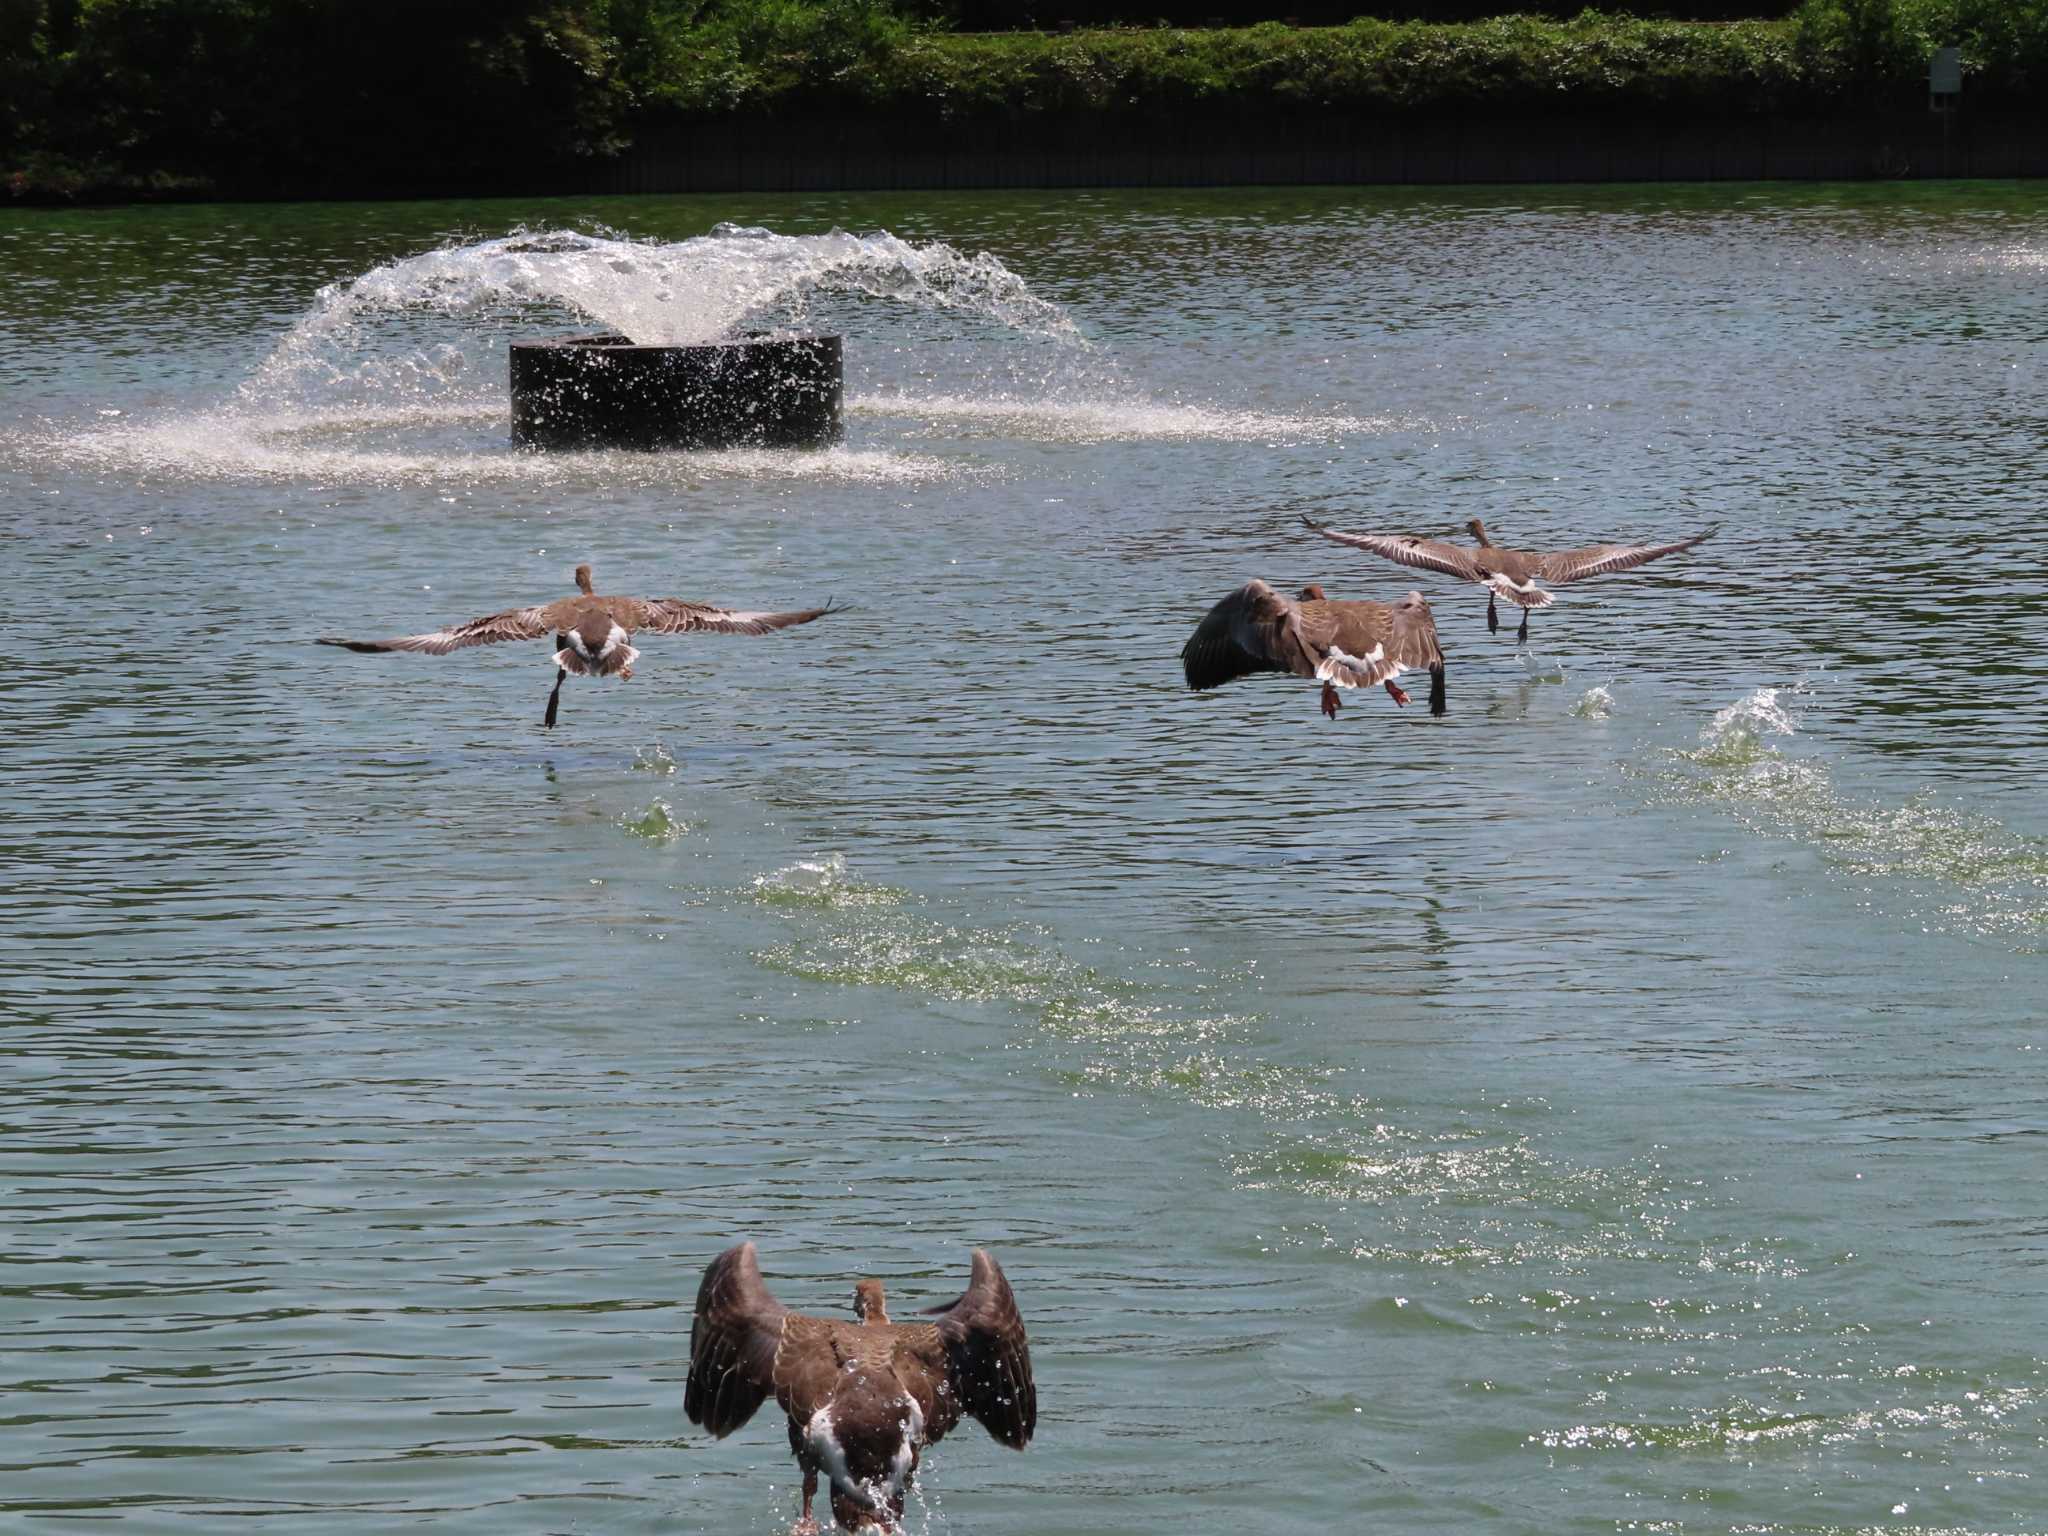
[[864, 1398], [1507, 573], [594, 634], [1345, 645]]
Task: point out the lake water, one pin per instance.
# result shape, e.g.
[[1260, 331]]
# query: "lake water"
[[1616, 1106]]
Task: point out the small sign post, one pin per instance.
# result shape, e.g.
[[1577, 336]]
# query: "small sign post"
[[1944, 78], [1944, 90]]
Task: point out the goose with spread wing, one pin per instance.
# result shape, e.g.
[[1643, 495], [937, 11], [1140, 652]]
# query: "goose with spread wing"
[[1509, 573], [863, 1398], [1341, 644], [593, 634]]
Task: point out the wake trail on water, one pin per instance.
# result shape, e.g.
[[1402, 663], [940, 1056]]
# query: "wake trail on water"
[[1966, 872]]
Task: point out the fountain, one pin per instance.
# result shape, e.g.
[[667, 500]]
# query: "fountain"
[[607, 391]]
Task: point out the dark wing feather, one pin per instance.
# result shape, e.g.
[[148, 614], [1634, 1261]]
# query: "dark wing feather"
[[673, 616], [733, 1341], [1414, 643], [988, 1360], [512, 624], [1429, 554], [1600, 559], [1254, 629]]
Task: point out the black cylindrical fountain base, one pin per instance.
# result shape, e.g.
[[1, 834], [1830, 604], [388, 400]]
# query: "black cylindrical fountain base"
[[608, 392]]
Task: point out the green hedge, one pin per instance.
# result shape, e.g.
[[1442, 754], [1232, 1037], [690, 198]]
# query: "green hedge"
[[1831, 55]]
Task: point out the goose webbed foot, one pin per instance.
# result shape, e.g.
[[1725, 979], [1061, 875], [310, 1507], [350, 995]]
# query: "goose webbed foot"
[[1396, 692], [1492, 618], [554, 699], [1330, 701], [1522, 634], [1438, 695]]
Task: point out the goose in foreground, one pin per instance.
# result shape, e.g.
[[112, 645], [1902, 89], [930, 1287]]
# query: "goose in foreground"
[[1345, 645], [863, 1398], [1507, 573], [594, 634]]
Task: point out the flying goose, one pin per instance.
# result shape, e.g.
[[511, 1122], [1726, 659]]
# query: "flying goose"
[[1346, 645], [594, 634], [1507, 573], [863, 1398]]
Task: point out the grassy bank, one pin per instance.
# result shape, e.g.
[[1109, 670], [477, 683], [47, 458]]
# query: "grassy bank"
[[319, 97]]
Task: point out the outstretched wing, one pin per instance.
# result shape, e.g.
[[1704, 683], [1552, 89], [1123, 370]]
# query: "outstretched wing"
[[512, 624], [1254, 629], [673, 616], [733, 1340], [1600, 559], [988, 1361], [1429, 554]]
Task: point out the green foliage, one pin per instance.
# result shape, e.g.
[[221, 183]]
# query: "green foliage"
[[1831, 52], [733, 52], [313, 96], [1590, 62], [1881, 47]]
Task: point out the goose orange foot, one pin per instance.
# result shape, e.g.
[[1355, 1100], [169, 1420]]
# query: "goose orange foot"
[[1398, 694], [1330, 701]]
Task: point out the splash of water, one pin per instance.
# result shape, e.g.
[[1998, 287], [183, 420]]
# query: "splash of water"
[[1738, 733], [1977, 875], [658, 823], [397, 376], [1098, 412], [822, 884], [1594, 704], [660, 293]]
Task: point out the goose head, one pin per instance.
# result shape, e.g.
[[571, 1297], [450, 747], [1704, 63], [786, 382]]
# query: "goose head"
[[869, 1304]]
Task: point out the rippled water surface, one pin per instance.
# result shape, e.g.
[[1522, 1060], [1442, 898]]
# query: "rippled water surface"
[[1615, 1106]]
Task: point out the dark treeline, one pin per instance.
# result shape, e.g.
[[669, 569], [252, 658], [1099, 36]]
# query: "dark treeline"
[[313, 93], [303, 98]]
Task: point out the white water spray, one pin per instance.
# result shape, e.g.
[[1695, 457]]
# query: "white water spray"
[[660, 293], [397, 376]]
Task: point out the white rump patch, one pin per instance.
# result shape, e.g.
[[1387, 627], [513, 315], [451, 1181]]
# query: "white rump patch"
[[600, 665], [823, 1440], [1351, 671], [613, 641], [824, 1443], [906, 1453], [1527, 595]]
